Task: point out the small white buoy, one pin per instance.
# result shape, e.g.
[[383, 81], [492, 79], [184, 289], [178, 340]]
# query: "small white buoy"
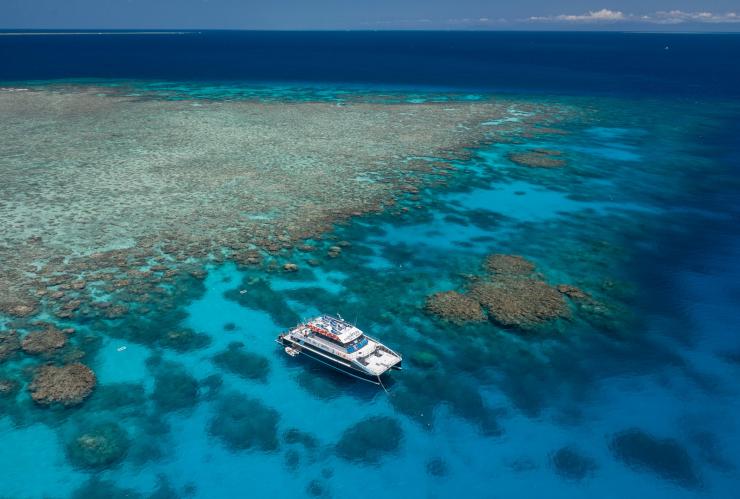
[[241, 292], [121, 349]]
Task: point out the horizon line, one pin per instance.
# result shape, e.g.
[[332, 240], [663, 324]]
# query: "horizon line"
[[184, 31]]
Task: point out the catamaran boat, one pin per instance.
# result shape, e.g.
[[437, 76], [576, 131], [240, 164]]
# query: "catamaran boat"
[[342, 346]]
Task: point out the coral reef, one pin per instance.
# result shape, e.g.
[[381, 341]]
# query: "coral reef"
[[423, 358], [97, 488], [8, 388], [243, 363], [370, 440], [175, 389], [537, 158], [296, 436], [98, 447], [571, 464], [9, 343], [44, 341], [573, 292], [275, 188], [258, 294], [455, 307], [511, 294], [664, 457], [315, 488], [67, 385], [524, 303], [422, 391], [245, 423], [508, 265], [120, 397], [184, 340], [437, 467], [17, 306]]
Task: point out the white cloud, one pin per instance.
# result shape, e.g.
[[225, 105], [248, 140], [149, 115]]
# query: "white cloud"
[[678, 17], [660, 17], [591, 16]]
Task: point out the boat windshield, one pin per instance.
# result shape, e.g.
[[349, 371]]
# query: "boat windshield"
[[356, 344]]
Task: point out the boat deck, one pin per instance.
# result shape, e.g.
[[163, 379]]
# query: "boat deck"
[[379, 361]]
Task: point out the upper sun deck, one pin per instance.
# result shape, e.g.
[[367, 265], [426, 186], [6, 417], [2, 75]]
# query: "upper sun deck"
[[334, 328]]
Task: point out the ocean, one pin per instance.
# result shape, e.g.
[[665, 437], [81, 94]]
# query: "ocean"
[[543, 224]]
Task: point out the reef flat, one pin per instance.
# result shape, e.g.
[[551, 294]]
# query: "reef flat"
[[85, 170]]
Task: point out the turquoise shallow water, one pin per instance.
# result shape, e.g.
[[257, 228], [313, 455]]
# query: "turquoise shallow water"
[[641, 216]]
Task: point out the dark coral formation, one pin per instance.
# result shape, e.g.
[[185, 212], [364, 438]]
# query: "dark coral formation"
[[184, 340], [323, 387], [97, 488], [8, 387], [66, 385], [245, 423], [296, 436], [423, 359], [128, 397], [523, 303], [573, 292], [175, 389], [98, 447], [9, 343], [44, 341], [537, 158], [370, 440], [422, 391], [571, 464], [243, 363], [665, 457], [315, 489], [257, 294], [455, 307], [437, 467]]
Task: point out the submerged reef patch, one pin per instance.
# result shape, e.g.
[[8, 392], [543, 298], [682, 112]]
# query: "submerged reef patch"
[[664, 457], [243, 363], [9, 343], [98, 447], [184, 340], [245, 423], [174, 388], [98, 488], [370, 440], [437, 467], [572, 464], [537, 158], [66, 385]]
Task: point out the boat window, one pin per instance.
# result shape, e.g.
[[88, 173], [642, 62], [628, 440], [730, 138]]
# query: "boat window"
[[356, 344], [329, 339]]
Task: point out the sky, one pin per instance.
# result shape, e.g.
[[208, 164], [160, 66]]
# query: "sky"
[[644, 15]]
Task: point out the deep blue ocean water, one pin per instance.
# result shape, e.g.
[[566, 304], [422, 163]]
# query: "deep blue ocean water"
[[646, 215], [702, 65]]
